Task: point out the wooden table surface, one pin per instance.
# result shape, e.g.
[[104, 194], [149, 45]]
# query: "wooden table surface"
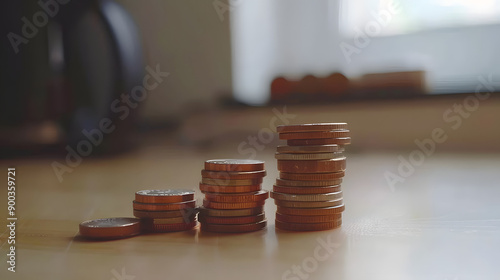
[[443, 222]]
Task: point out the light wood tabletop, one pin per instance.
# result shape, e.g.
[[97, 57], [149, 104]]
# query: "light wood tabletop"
[[442, 222]]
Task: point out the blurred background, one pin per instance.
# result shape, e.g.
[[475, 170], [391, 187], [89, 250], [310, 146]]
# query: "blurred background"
[[205, 73]]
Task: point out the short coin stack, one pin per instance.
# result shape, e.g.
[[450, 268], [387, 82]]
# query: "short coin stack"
[[234, 199], [308, 193], [165, 210]]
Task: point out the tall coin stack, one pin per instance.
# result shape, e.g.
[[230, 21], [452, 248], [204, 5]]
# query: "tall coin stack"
[[234, 199], [308, 193], [165, 210]]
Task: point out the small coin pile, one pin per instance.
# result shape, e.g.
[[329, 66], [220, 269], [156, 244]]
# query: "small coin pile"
[[165, 210], [308, 193], [234, 199]]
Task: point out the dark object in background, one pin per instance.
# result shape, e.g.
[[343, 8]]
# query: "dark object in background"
[[65, 74]]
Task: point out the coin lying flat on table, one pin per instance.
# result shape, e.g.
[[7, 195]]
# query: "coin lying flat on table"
[[231, 182], [315, 134], [308, 166], [232, 220], [315, 142], [312, 176], [233, 228], [308, 227], [310, 211], [233, 175], [233, 198], [234, 165], [306, 190], [163, 196], [293, 183], [311, 127], [316, 156], [164, 206], [306, 197], [309, 149], [229, 189], [231, 213], [110, 228], [307, 219]]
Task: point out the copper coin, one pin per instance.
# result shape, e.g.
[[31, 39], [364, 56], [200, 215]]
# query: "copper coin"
[[315, 142], [184, 213], [307, 190], [233, 228], [236, 205], [151, 227], [312, 166], [307, 219], [229, 189], [309, 204], [167, 221], [317, 156], [312, 176], [315, 134], [309, 149], [311, 127], [163, 196], [164, 206], [232, 220], [110, 228], [308, 227], [310, 211], [233, 165], [231, 213], [293, 183], [306, 197], [233, 175], [231, 182], [233, 198]]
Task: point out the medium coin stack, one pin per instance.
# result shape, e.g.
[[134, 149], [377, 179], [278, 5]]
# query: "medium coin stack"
[[165, 210], [308, 193], [234, 199]]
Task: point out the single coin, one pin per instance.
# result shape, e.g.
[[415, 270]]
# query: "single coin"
[[110, 228], [229, 189], [312, 176], [309, 204], [232, 220], [306, 197], [308, 227], [233, 198], [233, 228], [231, 182], [311, 127], [236, 205], [318, 156], [163, 196], [293, 183], [233, 165], [306, 190], [231, 213], [309, 149], [315, 134], [156, 228], [225, 175], [315, 142], [307, 219], [164, 206], [312, 166], [185, 213], [311, 211]]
